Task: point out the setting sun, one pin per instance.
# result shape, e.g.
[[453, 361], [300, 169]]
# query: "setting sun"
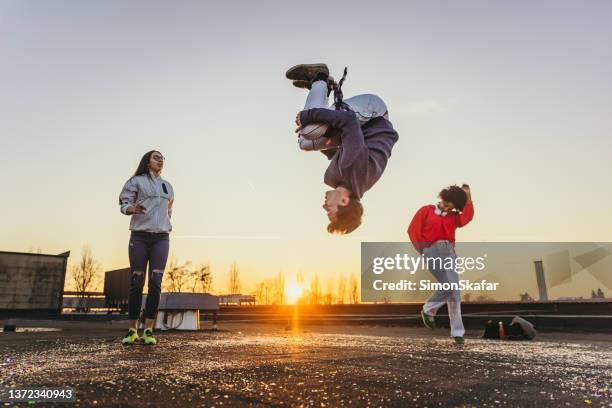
[[293, 292]]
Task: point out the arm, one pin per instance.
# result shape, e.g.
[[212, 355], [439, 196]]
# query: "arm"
[[170, 207], [466, 215], [415, 229], [334, 118], [128, 197], [468, 211], [329, 153], [353, 143]]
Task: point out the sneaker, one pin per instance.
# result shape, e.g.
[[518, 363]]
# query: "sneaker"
[[301, 83], [147, 338], [321, 143], [459, 339], [308, 72], [428, 320], [130, 338]]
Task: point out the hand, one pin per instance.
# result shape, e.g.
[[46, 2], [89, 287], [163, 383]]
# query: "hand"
[[136, 209], [467, 190], [170, 207], [298, 123]]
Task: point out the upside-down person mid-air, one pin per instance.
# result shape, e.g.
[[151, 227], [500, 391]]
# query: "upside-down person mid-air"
[[355, 135]]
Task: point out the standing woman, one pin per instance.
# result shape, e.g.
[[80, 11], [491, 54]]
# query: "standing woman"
[[148, 199]]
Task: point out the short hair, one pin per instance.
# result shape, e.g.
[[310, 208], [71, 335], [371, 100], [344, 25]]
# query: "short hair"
[[348, 218], [455, 195]]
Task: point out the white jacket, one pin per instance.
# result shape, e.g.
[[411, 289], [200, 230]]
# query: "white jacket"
[[155, 195]]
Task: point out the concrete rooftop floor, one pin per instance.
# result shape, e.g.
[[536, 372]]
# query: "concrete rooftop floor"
[[266, 365]]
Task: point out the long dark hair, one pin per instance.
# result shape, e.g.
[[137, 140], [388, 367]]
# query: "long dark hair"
[[143, 166]]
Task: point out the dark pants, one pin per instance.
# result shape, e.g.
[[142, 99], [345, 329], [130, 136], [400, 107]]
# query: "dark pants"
[[151, 248]]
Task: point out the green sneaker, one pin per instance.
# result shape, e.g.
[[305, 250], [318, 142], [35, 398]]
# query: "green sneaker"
[[130, 338], [428, 320], [147, 337], [459, 340]]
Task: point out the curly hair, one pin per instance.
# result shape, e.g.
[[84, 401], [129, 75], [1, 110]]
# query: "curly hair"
[[455, 195], [348, 218]]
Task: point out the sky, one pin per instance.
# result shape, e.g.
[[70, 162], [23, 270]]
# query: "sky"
[[513, 98]]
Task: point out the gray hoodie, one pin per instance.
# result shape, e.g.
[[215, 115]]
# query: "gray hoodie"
[[155, 195], [365, 150]]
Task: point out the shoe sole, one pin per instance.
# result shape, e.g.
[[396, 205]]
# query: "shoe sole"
[[300, 83], [144, 343], [306, 71]]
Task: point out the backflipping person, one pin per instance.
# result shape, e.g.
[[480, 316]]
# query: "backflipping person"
[[148, 199], [432, 232], [358, 142]]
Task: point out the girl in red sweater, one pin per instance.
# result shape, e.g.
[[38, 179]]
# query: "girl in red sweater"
[[432, 232]]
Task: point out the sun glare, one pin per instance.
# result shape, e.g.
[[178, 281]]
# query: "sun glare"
[[292, 293]]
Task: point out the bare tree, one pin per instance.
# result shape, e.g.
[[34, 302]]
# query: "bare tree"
[[315, 290], [267, 292], [341, 293], [234, 279], [85, 272], [177, 276], [202, 278], [329, 292], [264, 292], [260, 293], [278, 290], [354, 290]]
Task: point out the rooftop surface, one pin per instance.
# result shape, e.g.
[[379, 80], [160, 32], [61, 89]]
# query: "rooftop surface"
[[252, 364]]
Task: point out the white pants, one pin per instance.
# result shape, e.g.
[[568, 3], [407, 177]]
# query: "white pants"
[[452, 298], [365, 106]]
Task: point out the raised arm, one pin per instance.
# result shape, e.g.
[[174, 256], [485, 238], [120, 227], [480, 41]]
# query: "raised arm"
[[468, 211], [466, 215]]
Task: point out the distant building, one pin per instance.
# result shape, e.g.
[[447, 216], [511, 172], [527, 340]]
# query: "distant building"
[[597, 295], [117, 289], [526, 297], [32, 282], [539, 268], [237, 299]]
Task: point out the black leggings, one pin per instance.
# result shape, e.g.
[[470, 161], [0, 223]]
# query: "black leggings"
[[151, 248]]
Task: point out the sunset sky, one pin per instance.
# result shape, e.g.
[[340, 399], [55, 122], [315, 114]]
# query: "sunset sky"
[[513, 98]]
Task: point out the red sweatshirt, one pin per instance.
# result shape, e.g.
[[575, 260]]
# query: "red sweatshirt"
[[427, 227]]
